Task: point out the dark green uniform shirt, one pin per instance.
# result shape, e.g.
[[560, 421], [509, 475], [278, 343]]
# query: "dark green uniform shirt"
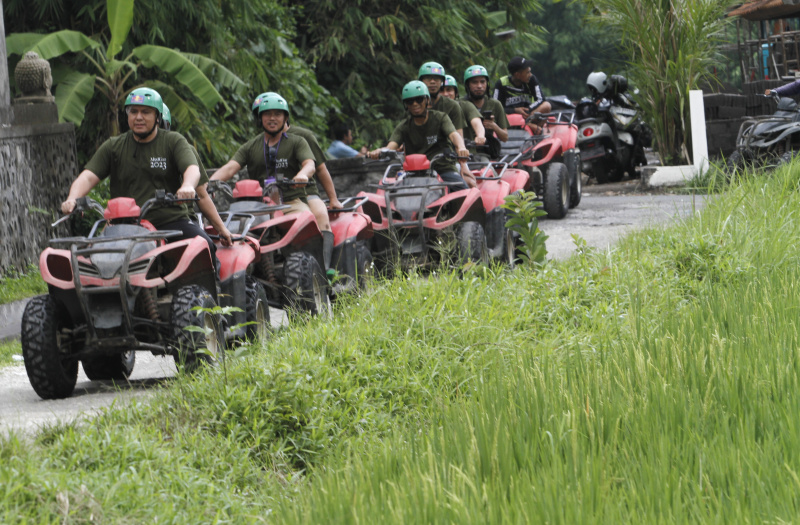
[[316, 150], [293, 150], [493, 105], [431, 138], [137, 170], [452, 109], [470, 112]]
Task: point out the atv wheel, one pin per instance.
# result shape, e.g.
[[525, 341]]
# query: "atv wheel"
[[575, 186], [787, 157], [51, 371], [735, 162], [556, 191], [364, 266], [256, 310], [471, 241], [306, 288], [605, 171], [117, 367], [196, 346]]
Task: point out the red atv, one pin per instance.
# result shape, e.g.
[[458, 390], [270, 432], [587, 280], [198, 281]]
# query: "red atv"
[[414, 214], [352, 234], [551, 158], [289, 259], [496, 181], [120, 289]]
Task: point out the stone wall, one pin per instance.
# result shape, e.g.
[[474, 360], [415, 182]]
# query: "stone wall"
[[37, 165]]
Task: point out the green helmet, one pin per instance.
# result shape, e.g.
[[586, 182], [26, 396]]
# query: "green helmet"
[[415, 88], [145, 97], [166, 118], [273, 101], [257, 101], [475, 71], [449, 80], [433, 69]]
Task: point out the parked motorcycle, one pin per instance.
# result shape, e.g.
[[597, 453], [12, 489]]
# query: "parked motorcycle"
[[611, 133], [768, 139]]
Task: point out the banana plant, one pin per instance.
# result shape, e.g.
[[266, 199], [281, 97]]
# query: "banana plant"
[[116, 77]]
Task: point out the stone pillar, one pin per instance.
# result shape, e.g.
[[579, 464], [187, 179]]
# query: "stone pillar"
[[5, 88]]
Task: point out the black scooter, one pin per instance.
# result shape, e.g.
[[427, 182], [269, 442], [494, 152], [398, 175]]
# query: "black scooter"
[[769, 139]]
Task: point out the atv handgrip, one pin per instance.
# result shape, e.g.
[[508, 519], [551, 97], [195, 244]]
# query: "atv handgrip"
[[81, 205]]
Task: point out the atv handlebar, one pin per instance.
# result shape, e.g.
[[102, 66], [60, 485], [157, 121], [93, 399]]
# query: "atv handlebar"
[[350, 204], [81, 204]]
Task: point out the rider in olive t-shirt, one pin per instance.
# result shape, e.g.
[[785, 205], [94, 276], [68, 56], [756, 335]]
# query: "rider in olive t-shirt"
[[292, 150], [136, 169], [431, 138]]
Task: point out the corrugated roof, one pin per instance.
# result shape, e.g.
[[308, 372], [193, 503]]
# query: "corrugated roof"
[[767, 9]]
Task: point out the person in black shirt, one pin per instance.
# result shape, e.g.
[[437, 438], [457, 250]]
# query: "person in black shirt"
[[520, 92]]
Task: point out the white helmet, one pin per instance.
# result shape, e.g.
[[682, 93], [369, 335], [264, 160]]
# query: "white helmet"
[[597, 82]]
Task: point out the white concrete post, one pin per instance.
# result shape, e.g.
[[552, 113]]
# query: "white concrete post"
[[5, 89], [699, 143]]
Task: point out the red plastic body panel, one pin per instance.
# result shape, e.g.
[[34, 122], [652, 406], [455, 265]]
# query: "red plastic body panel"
[[121, 208], [516, 179], [552, 147], [234, 259], [470, 202], [493, 193], [298, 228], [56, 269], [349, 225]]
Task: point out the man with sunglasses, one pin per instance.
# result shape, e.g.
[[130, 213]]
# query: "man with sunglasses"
[[429, 132]]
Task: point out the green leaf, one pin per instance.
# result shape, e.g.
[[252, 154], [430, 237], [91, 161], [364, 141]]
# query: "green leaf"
[[50, 45], [120, 19], [216, 71], [73, 92], [112, 66], [176, 63], [496, 19]]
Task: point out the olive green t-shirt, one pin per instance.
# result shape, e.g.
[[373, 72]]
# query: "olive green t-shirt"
[[293, 150], [489, 104], [470, 112], [430, 138], [452, 109], [137, 170], [316, 150]]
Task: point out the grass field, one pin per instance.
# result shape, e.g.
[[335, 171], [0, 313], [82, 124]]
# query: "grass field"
[[655, 383]]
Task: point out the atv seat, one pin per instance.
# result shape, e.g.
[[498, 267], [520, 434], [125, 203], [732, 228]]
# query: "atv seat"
[[408, 194], [109, 263], [516, 138]]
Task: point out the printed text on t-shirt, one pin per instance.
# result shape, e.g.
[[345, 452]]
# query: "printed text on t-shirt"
[[433, 140], [158, 162]]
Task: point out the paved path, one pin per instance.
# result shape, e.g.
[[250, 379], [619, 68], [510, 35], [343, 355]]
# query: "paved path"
[[605, 213]]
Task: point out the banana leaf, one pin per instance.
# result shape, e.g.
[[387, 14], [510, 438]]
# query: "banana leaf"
[[73, 92], [120, 19], [50, 45], [178, 64], [219, 73]]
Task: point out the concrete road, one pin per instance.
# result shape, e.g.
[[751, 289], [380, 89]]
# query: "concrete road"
[[604, 214]]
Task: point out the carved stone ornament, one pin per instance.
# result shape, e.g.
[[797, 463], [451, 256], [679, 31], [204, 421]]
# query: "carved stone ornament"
[[33, 78]]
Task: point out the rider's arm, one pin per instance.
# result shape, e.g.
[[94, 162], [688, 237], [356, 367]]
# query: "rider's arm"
[[227, 171], [306, 172], [463, 154], [210, 212], [374, 154], [480, 131], [324, 178], [191, 178], [81, 186]]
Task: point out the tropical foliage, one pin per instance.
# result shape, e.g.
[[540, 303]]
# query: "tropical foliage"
[[670, 47]]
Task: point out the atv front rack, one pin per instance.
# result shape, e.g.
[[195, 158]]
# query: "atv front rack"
[[83, 246]]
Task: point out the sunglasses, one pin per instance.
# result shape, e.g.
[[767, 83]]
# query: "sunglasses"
[[415, 100]]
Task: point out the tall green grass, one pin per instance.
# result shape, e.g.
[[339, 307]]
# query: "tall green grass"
[[652, 383]]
